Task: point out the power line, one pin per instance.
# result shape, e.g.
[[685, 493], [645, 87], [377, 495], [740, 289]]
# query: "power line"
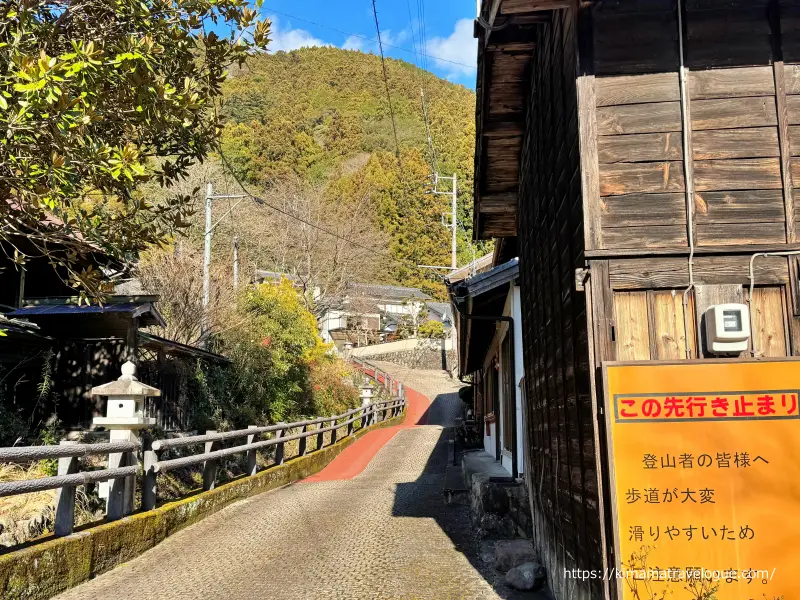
[[260, 200], [363, 37], [386, 84]]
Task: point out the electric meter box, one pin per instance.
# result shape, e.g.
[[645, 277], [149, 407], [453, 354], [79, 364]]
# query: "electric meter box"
[[727, 328]]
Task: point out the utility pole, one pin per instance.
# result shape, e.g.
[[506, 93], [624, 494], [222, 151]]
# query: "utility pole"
[[207, 252], [207, 259], [454, 216], [235, 263]]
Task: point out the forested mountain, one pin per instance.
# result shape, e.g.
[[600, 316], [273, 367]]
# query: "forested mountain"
[[319, 117]]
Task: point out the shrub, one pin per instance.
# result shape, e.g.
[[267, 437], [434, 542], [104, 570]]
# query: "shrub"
[[431, 330]]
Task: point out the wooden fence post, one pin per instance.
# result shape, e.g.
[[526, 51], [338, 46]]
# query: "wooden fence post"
[[65, 496], [320, 436], [210, 466], [252, 455], [303, 443], [364, 416], [334, 432], [118, 505], [149, 478], [350, 426], [279, 448]]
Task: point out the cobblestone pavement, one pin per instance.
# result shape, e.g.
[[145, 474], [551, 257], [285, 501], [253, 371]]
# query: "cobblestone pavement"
[[384, 534]]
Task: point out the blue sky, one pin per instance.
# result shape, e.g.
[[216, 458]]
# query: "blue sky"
[[447, 30]]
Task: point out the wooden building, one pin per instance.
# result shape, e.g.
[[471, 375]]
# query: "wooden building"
[[641, 157]]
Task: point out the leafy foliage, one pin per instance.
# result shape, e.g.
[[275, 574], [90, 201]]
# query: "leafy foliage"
[[99, 96], [281, 368], [321, 115], [431, 330]]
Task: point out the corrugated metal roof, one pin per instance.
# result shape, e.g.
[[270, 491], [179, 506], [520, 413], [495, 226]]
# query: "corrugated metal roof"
[[69, 309], [135, 309]]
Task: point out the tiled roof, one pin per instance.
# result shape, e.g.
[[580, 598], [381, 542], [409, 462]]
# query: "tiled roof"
[[386, 292]]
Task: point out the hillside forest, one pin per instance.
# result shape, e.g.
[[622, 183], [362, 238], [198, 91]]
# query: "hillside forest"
[[310, 131]]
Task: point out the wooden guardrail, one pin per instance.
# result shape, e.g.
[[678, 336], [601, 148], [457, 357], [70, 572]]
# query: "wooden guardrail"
[[68, 453]]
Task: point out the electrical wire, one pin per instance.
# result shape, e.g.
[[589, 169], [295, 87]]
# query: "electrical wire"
[[363, 37], [386, 84], [261, 201]]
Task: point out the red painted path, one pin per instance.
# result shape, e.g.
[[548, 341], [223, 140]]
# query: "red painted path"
[[357, 455]]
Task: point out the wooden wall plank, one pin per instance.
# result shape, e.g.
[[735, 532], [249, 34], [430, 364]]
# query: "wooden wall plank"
[[651, 236], [754, 142], [739, 206], [732, 113], [642, 147], [731, 83], [736, 234], [769, 322], [639, 118], [666, 324], [739, 174], [631, 178], [785, 148], [633, 338], [796, 169], [792, 74], [638, 210], [793, 109], [794, 139], [590, 178], [673, 272], [637, 89]]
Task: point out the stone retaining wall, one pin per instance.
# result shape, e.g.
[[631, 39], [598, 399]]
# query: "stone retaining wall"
[[52, 565]]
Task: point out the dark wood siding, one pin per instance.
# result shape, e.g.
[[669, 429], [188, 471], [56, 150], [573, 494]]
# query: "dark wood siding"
[[560, 426], [743, 111]]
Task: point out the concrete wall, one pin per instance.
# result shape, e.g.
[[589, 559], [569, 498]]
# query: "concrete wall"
[[413, 353]]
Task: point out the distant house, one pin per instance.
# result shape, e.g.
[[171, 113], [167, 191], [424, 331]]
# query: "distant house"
[[371, 313]]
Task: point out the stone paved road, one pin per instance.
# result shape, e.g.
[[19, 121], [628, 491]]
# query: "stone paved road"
[[384, 534]]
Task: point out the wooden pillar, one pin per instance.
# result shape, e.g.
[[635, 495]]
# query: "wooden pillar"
[[149, 478], [210, 466], [252, 455], [320, 437], [65, 496], [279, 448], [302, 451], [132, 341]]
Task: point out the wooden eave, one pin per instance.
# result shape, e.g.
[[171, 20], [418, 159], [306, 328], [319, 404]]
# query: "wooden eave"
[[504, 58]]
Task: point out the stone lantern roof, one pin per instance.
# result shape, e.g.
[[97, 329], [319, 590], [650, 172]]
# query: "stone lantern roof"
[[126, 385]]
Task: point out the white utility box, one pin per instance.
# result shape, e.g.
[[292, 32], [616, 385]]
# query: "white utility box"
[[728, 328]]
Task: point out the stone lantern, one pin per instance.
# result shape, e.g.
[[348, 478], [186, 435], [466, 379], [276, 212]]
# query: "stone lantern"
[[124, 417], [367, 393]]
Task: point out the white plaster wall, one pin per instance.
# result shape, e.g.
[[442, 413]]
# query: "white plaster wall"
[[489, 440]]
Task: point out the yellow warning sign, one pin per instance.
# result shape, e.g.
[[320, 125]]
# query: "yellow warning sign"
[[705, 478]]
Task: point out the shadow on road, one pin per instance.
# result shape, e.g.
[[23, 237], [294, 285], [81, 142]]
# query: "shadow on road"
[[424, 498]]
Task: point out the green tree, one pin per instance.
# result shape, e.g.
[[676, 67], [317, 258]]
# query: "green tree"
[[281, 368], [99, 96], [431, 330]]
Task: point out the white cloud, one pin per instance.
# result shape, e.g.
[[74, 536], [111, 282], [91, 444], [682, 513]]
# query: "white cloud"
[[290, 39], [388, 38], [357, 43], [459, 47]]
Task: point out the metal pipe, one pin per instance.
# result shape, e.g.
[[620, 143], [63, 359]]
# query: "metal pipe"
[[688, 178]]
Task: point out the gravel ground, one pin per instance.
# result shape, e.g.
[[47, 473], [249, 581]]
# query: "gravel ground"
[[387, 533]]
